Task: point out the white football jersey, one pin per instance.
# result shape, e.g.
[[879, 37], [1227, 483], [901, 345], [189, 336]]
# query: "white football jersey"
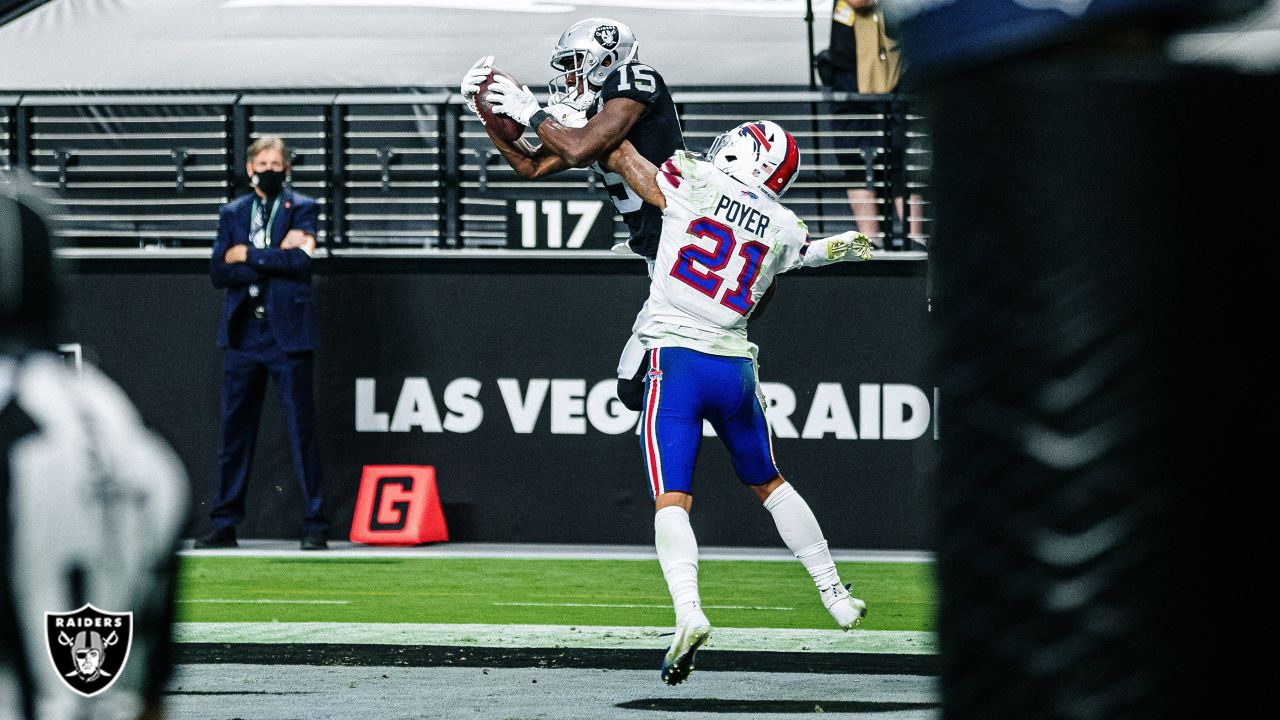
[[94, 504], [722, 245]]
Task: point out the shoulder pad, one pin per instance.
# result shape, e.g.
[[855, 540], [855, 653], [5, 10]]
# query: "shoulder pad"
[[634, 81]]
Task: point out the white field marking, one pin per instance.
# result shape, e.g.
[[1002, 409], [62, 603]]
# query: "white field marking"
[[342, 550], [555, 636], [221, 601], [634, 605]]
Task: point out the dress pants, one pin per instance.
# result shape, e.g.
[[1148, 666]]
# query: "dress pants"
[[244, 383]]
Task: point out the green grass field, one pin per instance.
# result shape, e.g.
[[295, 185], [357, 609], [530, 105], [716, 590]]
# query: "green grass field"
[[535, 592]]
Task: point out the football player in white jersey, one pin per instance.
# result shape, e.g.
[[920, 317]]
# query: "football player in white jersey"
[[724, 239], [91, 507]]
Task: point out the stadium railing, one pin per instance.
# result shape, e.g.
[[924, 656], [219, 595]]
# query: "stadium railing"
[[410, 170]]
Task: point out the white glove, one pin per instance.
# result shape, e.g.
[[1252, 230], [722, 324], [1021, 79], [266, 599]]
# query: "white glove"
[[471, 81], [517, 103], [845, 246]]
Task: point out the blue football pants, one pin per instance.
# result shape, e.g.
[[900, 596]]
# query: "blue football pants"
[[684, 387]]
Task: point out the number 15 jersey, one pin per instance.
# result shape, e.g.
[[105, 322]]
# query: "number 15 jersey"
[[722, 244], [655, 136]]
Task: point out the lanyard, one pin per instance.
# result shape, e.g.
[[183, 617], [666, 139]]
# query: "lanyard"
[[271, 220]]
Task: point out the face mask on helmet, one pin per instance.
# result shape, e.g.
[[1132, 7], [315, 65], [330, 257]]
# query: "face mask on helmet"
[[758, 154], [586, 54], [570, 87]]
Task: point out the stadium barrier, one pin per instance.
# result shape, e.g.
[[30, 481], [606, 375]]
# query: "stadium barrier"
[[496, 368], [406, 170]]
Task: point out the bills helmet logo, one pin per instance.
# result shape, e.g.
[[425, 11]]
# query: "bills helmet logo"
[[88, 647], [607, 36], [755, 132]]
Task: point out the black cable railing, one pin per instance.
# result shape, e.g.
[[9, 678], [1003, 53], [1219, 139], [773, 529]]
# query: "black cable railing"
[[414, 170]]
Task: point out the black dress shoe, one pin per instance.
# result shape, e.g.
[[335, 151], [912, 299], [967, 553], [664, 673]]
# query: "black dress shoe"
[[314, 542], [218, 538]]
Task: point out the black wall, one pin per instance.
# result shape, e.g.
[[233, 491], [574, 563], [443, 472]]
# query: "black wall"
[[150, 325]]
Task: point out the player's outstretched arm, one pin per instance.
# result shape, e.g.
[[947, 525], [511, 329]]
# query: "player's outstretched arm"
[[594, 141], [529, 162], [845, 246], [638, 173]]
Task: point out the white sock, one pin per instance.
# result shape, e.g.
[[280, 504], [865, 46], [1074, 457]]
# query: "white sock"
[[678, 555], [800, 531]]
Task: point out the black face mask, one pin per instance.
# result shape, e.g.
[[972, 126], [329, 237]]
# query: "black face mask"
[[270, 182]]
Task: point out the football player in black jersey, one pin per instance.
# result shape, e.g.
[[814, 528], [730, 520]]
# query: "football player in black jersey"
[[621, 99]]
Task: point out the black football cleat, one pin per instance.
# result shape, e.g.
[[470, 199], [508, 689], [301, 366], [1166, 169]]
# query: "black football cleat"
[[218, 538]]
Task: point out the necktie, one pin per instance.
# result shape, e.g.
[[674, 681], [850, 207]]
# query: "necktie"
[[257, 226], [258, 236]]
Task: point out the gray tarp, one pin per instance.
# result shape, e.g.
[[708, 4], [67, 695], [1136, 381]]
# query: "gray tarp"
[[70, 45]]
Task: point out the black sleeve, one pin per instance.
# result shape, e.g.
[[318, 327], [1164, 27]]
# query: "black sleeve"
[[634, 81], [631, 390]]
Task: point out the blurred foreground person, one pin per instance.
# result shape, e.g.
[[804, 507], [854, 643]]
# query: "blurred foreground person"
[[1102, 266], [91, 507]]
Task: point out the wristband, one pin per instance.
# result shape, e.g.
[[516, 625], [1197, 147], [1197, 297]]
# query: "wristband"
[[538, 118]]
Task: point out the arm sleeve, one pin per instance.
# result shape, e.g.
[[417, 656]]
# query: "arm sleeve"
[[296, 261], [683, 179], [270, 261], [225, 274]]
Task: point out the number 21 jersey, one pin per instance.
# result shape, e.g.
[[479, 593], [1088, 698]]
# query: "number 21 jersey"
[[722, 244]]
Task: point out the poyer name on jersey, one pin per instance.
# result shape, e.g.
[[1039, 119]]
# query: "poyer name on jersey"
[[742, 215]]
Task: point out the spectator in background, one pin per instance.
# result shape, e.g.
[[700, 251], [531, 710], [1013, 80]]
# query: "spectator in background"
[[863, 59], [262, 256], [91, 508]]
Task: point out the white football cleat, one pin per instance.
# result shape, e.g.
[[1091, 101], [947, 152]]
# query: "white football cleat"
[[847, 610], [691, 633]]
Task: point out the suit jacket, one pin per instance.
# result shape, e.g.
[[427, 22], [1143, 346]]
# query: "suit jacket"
[[284, 275]]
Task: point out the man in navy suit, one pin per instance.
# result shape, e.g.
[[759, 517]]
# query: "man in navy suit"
[[263, 258]]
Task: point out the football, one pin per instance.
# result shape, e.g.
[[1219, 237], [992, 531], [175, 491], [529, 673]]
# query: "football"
[[503, 126]]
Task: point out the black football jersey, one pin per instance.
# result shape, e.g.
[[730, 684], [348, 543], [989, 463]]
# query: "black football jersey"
[[656, 136]]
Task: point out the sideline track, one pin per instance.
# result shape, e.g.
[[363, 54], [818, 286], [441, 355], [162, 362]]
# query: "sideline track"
[[827, 652], [343, 550], [553, 636]]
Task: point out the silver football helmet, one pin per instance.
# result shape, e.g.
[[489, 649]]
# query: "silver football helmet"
[[758, 154], [587, 52]]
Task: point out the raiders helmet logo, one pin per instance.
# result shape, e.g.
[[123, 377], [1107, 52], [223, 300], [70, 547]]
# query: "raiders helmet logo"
[[88, 647], [607, 36]]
